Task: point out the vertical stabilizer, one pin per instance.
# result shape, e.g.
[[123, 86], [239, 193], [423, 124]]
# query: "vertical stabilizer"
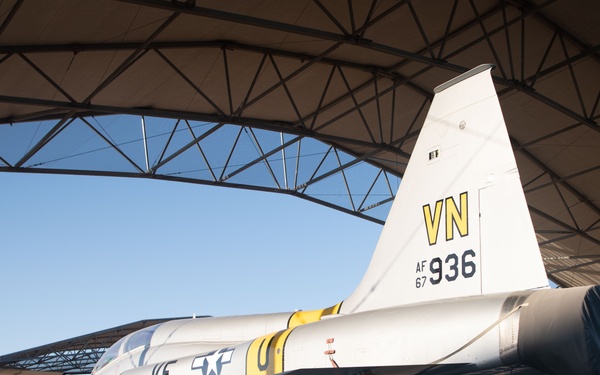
[[459, 225]]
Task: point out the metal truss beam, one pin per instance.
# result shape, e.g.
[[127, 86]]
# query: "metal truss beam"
[[84, 110], [556, 177], [80, 172], [216, 44], [166, 158]]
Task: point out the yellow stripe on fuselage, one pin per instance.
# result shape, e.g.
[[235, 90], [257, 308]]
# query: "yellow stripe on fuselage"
[[265, 354], [303, 317]]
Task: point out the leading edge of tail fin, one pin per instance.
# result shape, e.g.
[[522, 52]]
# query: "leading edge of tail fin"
[[459, 225]]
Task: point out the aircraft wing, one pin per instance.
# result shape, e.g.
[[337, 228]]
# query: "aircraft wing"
[[464, 369]]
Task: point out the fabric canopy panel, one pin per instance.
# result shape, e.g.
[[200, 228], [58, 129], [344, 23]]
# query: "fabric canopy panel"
[[356, 76]]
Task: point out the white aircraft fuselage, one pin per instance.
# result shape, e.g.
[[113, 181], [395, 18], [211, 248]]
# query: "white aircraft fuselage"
[[456, 283], [538, 328]]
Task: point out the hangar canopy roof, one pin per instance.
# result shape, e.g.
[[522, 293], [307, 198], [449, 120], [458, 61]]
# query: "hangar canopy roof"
[[304, 92], [77, 355]]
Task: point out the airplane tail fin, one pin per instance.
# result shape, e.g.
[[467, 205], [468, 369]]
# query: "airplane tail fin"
[[459, 225]]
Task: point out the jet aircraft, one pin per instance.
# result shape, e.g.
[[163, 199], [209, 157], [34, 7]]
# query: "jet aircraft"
[[456, 283]]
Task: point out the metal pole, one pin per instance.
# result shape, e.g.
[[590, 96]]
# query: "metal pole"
[[145, 144]]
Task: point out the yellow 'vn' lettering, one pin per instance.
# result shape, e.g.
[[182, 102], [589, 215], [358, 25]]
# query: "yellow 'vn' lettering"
[[432, 223], [457, 218]]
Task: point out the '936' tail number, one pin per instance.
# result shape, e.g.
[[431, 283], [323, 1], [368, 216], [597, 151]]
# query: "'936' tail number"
[[449, 269]]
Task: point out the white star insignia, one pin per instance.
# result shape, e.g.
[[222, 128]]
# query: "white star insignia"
[[211, 363]]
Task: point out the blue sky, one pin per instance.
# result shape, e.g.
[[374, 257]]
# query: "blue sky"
[[82, 254]]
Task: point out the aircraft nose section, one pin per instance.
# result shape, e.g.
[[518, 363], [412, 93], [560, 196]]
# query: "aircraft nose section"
[[559, 331]]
